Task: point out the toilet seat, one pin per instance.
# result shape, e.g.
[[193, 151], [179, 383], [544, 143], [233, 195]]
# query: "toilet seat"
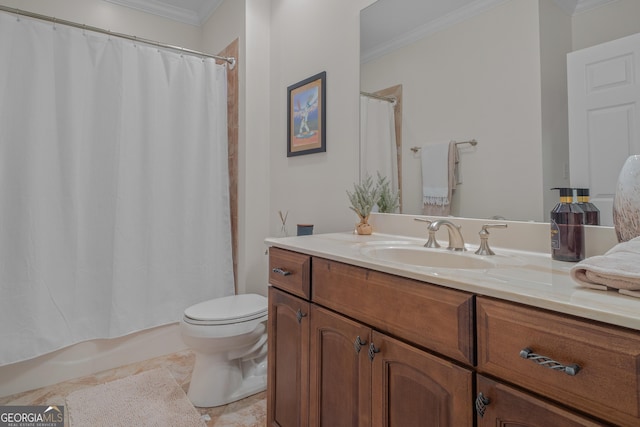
[[227, 310]]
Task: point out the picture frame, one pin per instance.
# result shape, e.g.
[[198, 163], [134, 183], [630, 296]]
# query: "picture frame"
[[306, 116]]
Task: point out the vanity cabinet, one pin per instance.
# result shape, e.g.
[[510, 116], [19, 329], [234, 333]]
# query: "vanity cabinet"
[[349, 346], [361, 348]]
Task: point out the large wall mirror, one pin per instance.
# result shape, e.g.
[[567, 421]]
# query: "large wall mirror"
[[490, 71]]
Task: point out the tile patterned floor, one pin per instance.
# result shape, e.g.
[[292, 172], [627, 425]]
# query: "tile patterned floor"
[[248, 412]]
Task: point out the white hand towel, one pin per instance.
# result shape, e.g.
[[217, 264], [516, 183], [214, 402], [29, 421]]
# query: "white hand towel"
[[439, 177], [619, 269], [435, 173]]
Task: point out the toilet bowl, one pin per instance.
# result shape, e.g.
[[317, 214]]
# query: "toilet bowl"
[[229, 338]]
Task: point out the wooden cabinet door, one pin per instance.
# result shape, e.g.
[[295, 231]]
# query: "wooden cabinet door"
[[340, 371], [411, 387], [288, 360], [501, 405]]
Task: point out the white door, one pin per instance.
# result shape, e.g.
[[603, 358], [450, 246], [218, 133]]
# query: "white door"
[[604, 116]]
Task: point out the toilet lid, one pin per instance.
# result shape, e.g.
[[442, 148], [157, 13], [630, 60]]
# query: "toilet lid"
[[230, 309]]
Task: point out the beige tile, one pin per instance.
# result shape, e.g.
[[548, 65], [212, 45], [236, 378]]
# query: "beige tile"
[[248, 412]]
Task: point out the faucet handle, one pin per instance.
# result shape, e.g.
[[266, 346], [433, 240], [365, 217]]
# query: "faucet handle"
[[484, 248], [486, 226], [428, 221], [431, 241]]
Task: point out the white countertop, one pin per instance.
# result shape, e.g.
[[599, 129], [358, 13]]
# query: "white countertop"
[[533, 279]]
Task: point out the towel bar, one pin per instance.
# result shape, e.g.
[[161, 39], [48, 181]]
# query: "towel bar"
[[473, 143]]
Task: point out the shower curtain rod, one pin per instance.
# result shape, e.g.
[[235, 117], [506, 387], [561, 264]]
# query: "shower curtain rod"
[[384, 98], [230, 60]]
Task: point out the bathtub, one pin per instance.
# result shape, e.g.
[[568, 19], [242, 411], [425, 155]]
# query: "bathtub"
[[88, 358]]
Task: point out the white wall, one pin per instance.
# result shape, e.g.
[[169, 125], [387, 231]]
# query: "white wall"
[[612, 21], [308, 37], [555, 43], [254, 153], [226, 24], [248, 22], [478, 79]]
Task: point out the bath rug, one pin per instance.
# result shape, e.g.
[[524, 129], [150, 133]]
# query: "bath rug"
[[151, 398]]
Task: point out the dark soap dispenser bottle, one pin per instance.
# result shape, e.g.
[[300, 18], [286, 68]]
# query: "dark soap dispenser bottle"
[[567, 228], [591, 212]]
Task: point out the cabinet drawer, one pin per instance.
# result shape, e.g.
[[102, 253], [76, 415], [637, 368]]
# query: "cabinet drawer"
[[501, 402], [290, 271], [608, 380], [436, 318]]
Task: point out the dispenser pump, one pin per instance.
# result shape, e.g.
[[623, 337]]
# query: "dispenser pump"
[[591, 212], [567, 229]]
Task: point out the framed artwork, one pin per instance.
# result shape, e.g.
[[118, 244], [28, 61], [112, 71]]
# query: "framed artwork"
[[306, 116]]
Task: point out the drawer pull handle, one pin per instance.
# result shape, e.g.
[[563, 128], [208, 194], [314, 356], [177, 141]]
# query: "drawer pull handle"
[[278, 270], [482, 402], [358, 343], [300, 315], [527, 353], [372, 351]]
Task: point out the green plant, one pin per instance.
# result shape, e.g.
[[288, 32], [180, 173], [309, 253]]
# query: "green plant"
[[363, 198], [388, 201]]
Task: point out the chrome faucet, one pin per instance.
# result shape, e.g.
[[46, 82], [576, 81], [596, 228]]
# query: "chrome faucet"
[[456, 242]]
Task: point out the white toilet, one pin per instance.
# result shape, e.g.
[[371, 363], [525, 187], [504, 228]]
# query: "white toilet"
[[229, 338]]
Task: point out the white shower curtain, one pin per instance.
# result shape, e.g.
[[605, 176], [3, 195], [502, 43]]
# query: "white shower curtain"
[[114, 204], [378, 151]]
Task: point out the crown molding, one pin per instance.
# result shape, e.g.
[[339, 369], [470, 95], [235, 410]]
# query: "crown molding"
[[572, 7], [585, 5], [169, 11], [473, 9]]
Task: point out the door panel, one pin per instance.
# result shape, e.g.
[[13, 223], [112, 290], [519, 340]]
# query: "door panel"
[[340, 393], [288, 360], [604, 116], [411, 387]]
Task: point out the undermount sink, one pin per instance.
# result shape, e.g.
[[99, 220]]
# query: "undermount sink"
[[418, 255]]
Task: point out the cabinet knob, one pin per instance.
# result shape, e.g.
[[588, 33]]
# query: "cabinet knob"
[[372, 351], [300, 315], [482, 402], [358, 343], [279, 270], [547, 362]]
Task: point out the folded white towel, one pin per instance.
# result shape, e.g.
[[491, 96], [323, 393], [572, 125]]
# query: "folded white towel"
[[435, 173], [619, 269]]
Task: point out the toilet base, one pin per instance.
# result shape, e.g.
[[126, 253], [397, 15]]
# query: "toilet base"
[[216, 382]]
